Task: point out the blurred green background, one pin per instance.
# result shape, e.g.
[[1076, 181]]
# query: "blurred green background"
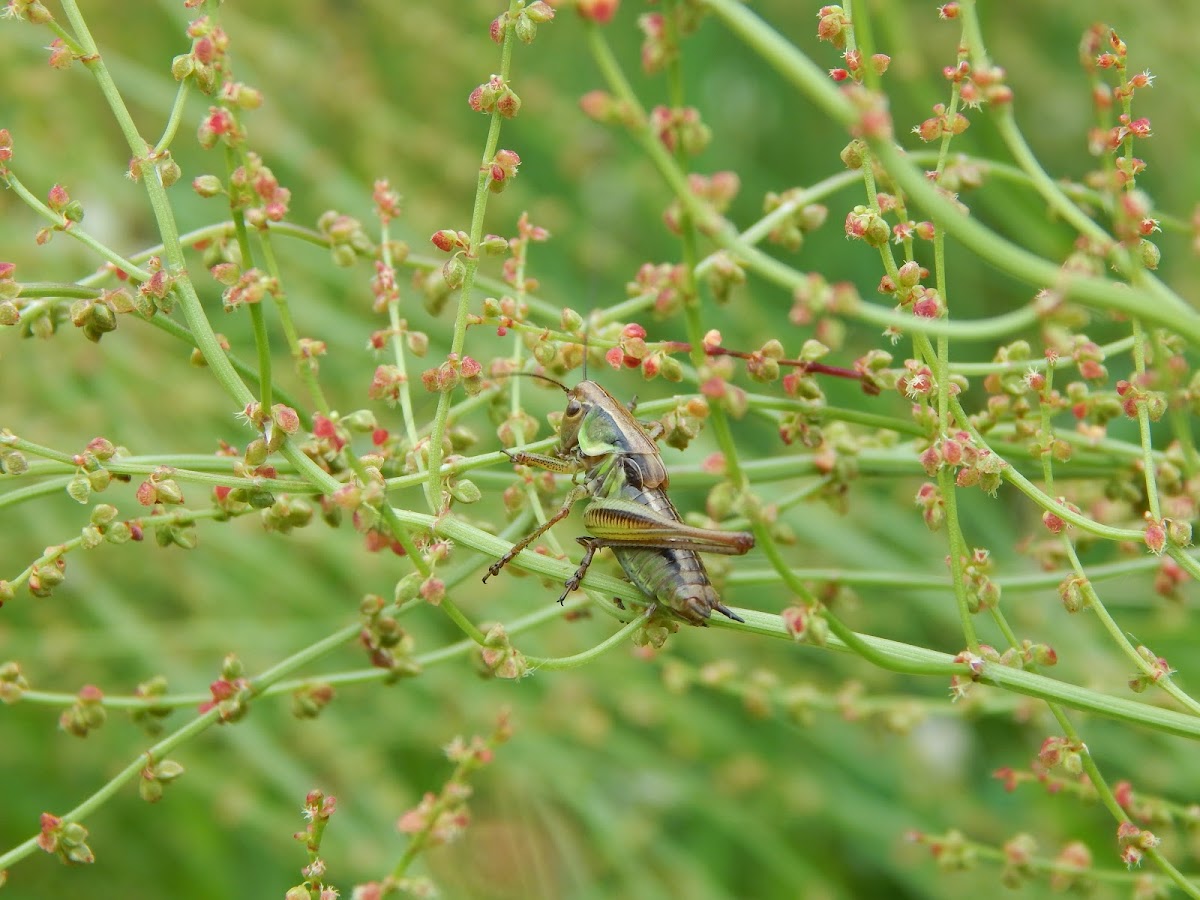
[[613, 786]]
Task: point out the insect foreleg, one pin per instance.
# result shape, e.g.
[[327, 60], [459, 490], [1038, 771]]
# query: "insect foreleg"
[[557, 464], [576, 494]]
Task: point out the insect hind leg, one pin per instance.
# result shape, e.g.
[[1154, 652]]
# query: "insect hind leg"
[[590, 545]]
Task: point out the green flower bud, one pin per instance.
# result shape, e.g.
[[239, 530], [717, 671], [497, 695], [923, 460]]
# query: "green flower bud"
[[465, 491], [78, 489], [407, 587], [90, 537]]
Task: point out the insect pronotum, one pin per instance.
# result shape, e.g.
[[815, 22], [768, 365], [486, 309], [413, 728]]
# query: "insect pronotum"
[[615, 462]]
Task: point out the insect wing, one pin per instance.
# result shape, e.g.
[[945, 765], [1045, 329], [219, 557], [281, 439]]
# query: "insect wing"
[[626, 523]]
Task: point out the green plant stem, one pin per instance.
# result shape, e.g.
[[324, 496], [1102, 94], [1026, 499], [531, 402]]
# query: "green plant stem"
[[1160, 306], [244, 371], [1016, 680], [258, 322], [587, 656], [62, 698], [1188, 563], [1157, 678], [262, 346], [1143, 420], [175, 517], [848, 639], [56, 289], [1048, 866], [109, 790], [904, 657], [440, 420], [689, 238], [795, 201], [305, 368], [189, 301], [18, 496], [1107, 447], [309, 377], [1095, 777], [459, 618], [72, 229], [836, 414], [175, 117], [269, 683], [161, 322], [1110, 801], [441, 655], [958, 556], [193, 312], [1026, 487], [397, 341], [198, 725], [1036, 365], [197, 468], [1038, 581], [959, 551]]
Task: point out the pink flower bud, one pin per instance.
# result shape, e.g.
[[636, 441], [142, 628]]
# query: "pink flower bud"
[[286, 419], [599, 11], [470, 368], [445, 240], [58, 198], [1155, 536]]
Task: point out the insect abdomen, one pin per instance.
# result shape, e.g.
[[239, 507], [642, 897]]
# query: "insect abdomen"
[[672, 576], [675, 578]]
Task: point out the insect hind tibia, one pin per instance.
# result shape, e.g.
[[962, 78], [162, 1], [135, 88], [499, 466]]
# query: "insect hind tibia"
[[590, 545]]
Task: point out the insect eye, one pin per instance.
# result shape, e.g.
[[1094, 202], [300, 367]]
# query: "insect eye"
[[574, 407]]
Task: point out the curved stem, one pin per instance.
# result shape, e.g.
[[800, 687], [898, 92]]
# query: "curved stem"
[[579, 659]]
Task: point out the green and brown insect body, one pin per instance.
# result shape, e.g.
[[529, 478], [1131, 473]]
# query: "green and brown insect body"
[[630, 512], [664, 563]]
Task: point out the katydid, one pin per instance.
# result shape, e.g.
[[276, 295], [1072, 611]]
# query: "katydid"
[[615, 463]]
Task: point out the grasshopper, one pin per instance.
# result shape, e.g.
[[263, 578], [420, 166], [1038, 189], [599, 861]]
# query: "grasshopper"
[[614, 461]]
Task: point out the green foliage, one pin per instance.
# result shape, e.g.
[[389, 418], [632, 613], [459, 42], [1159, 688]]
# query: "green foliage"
[[252, 460]]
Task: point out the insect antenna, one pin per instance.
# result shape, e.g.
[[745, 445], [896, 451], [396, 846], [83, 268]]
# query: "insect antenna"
[[558, 384], [587, 330]]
